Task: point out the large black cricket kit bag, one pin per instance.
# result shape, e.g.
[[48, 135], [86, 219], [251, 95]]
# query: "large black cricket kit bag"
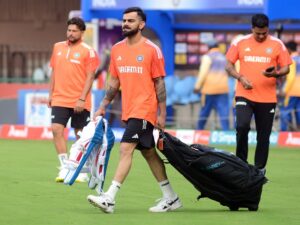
[[217, 174]]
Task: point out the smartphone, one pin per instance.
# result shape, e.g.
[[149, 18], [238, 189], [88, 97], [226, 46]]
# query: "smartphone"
[[270, 69]]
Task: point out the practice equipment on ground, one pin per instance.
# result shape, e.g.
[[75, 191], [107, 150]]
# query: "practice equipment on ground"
[[90, 153], [217, 174]]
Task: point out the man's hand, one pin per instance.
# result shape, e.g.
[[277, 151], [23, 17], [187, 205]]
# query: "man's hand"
[[270, 74], [196, 90], [49, 102], [79, 107], [161, 122], [245, 82], [99, 112]]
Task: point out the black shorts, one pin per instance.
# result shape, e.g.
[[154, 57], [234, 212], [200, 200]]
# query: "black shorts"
[[139, 131], [62, 115]]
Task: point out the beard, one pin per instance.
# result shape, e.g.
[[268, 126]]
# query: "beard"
[[130, 33], [73, 40]]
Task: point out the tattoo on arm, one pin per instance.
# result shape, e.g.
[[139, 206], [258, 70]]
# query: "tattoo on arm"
[[112, 89], [111, 93], [160, 89]]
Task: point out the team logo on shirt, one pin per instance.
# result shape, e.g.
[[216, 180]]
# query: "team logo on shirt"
[[140, 58], [76, 55], [269, 50]]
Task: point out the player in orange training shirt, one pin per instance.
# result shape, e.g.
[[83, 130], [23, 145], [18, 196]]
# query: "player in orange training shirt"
[[256, 88], [73, 66], [137, 66]]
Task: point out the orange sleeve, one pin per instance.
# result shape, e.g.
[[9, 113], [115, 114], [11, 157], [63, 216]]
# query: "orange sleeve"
[[112, 65], [92, 61], [284, 58], [158, 65], [52, 59], [232, 54]]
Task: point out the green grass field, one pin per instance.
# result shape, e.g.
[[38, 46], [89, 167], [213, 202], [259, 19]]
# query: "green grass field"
[[29, 195]]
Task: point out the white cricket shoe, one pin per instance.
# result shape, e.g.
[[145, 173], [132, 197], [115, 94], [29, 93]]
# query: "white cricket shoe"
[[82, 177], [166, 204], [103, 202], [63, 171]]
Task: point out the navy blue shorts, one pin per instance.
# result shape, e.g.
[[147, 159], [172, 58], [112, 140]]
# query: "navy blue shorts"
[[139, 131]]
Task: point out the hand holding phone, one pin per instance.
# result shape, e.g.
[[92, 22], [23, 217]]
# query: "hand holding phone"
[[270, 72], [270, 69]]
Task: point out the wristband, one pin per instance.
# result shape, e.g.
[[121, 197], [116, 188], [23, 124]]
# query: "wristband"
[[81, 100]]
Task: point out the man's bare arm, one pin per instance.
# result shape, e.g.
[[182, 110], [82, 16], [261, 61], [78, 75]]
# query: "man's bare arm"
[[111, 91], [161, 98], [160, 89], [230, 69], [51, 87]]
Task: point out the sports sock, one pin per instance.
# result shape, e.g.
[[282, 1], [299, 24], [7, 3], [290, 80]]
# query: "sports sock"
[[113, 189], [62, 157], [166, 189]]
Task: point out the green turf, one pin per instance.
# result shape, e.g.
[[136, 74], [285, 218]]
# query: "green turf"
[[29, 195]]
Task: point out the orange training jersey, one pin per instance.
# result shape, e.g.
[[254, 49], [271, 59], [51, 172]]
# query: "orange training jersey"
[[136, 66], [70, 65], [256, 57]]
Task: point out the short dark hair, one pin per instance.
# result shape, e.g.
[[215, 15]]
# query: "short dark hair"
[[260, 21], [291, 45], [78, 22], [138, 10]]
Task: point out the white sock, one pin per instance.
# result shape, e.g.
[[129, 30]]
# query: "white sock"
[[167, 189], [62, 157], [113, 189]]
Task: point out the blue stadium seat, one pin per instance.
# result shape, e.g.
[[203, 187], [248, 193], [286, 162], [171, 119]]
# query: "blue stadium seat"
[[183, 91]]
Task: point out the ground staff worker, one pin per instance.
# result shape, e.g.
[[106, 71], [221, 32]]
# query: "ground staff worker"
[[212, 83], [137, 66], [291, 92], [73, 64], [256, 88]]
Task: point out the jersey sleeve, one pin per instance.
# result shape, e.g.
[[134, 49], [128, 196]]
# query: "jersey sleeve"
[[158, 64], [232, 54], [284, 57], [112, 64], [52, 59], [93, 61]]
